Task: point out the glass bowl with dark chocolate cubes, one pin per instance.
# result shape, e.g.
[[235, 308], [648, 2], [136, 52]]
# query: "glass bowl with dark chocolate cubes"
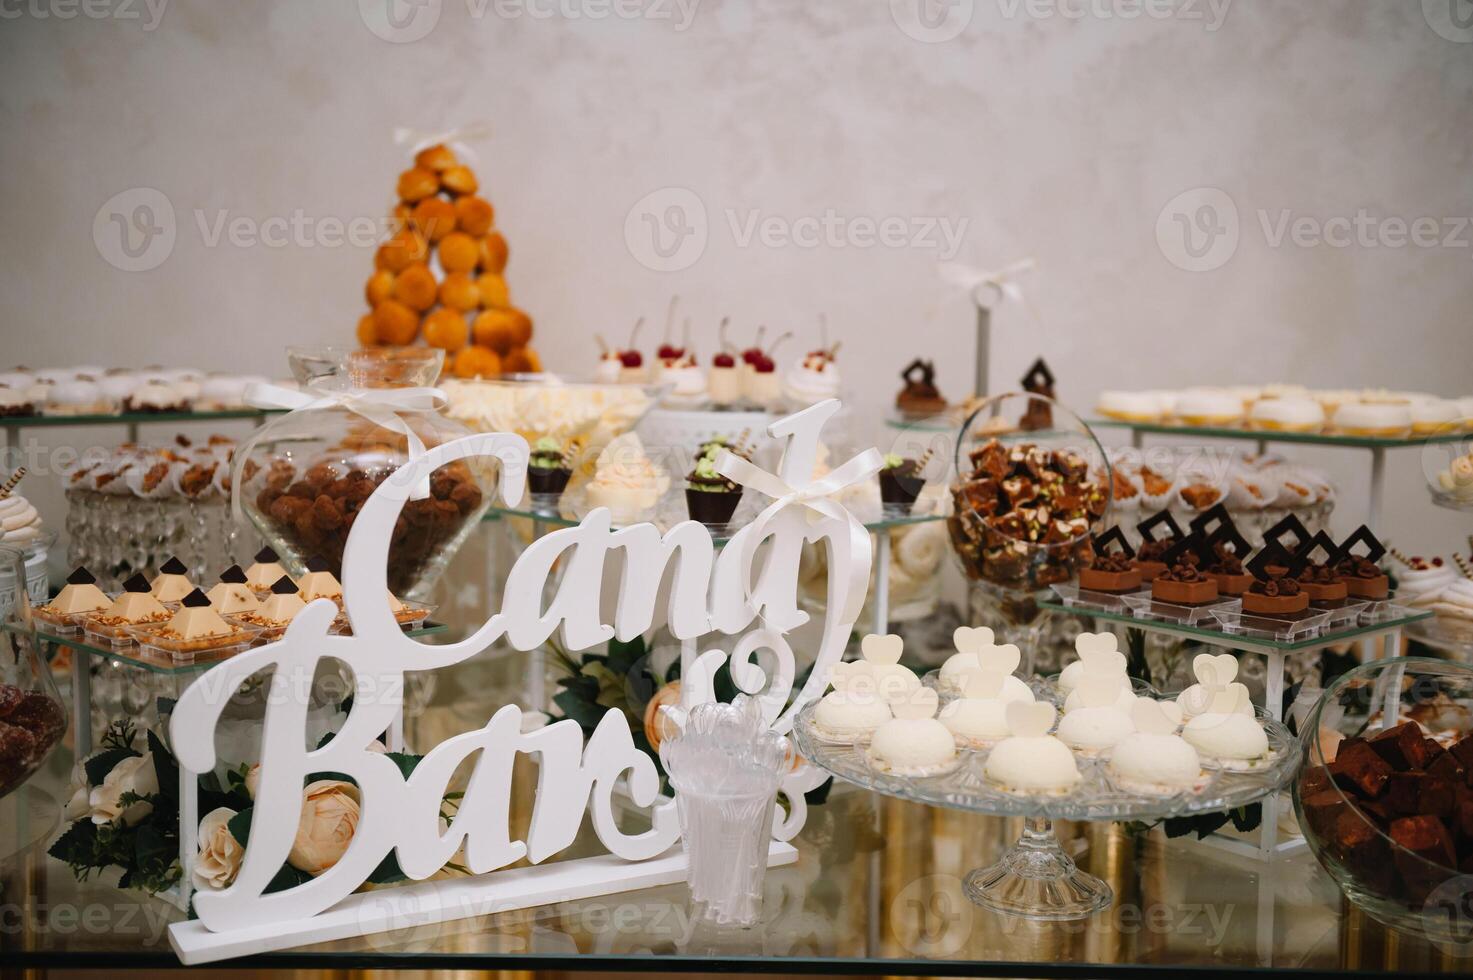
[[1385, 798]]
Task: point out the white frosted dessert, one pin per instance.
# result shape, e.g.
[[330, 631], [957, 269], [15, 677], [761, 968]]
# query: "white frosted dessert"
[[1209, 407], [1423, 581], [1030, 760], [1374, 419], [20, 522], [1154, 759], [264, 571], [913, 743], [1291, 414], [1095, 729], [232, 598], [1226, 731], [626, 481], [812, 381], [1101, 651], [979, 718], [80, 595], [847, 716], [960, 666], [318, 583], [724, 384], [1124, 695], [1432, 415], [1130, 406], [687, 381]]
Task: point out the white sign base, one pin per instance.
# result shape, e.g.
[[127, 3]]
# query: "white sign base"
[[407, 906]]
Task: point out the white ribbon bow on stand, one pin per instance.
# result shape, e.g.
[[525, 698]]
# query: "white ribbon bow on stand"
[[381, 406], [816, 497], [458, 139], [1004, 280]]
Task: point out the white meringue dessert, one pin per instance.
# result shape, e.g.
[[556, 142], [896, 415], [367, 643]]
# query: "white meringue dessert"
[[913, 743], [1226, 733], [848, 716], [1031, 760]]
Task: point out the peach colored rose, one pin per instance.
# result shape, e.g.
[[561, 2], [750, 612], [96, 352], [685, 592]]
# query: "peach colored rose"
[[329, 820], [220, 854]]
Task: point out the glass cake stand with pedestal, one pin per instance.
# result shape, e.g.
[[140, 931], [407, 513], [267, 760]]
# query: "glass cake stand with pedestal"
[[1035, 878]]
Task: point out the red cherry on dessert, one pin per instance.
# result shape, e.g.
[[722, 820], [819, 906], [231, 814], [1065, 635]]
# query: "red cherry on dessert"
[[723, 360], [631, 358], [764, 364], [752, 355], [669, 352]]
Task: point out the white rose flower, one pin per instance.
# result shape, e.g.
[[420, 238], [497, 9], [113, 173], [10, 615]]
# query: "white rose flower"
[[135, 775], [220, 854]]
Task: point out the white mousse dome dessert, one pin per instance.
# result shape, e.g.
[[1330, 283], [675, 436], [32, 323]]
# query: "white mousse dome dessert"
[[977, 651], [1099, 723], [913, 743], [1073, 673], [1213, 672], [1031, 760], [1228, 732], [979, 718], [1154, 759], [854, 708]]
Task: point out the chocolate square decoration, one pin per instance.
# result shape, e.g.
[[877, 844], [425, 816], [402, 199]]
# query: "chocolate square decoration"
[[233, 575], [1211, 519], [1290, 526], [196, 599], [1273, 553], [1039, 380], [80, 576], [1227, 534], [1375, 550], [266, 556], [1321, 543], [1101, 542], [283, 586], [1187, 544], [1147, 527], [173, 567], [136, 583]]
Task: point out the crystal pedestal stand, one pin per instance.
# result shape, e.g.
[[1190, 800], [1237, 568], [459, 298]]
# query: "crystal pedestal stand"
[[1035, 879]]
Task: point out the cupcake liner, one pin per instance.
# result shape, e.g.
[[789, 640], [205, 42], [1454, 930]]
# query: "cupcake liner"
[[136, 474], [210, 489]]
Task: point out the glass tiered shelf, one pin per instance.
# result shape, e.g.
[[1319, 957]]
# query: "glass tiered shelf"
[[130, 418], [1266, 435]]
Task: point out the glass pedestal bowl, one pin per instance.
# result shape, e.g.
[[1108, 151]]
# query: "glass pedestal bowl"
[[33, 718], [303, 477], [1354, 842]]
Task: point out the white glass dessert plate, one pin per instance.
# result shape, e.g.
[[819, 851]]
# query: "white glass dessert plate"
[[1143, 606], [1035, 878]]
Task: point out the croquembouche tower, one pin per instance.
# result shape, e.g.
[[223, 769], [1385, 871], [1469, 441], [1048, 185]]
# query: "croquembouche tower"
[[440, 277]]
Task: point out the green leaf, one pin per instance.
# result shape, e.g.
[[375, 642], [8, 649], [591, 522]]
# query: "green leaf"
[[287, 877], [317, 777], [405, 762], [76, 846], [99, 765], [166, 767], [585, 713], [624, 656], [240, 826], [388, 871]]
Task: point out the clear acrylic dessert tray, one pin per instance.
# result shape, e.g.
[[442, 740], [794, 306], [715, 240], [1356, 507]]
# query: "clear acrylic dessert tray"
[[1379, 611], [1285, 630], [166, 649], [1095, 797], [1143, 606], [1343, 612], [1079, 598]]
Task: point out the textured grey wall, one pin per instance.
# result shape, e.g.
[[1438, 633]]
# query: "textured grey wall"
[[1064, 130]]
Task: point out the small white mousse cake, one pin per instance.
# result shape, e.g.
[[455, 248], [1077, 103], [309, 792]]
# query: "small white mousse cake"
[[231, 596], [1031, 760], [264, 571], [79, 595], [1213, 672], [1099, 723], [979, 717], [1099, 654], [913, 743], [1154, 759], [172, 583], [854, 708], [1087, 645], [977, 651], [1227, 730]]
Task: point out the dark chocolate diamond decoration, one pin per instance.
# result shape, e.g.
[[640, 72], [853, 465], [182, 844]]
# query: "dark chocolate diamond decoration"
[[1211, 519], [1290, 528], [196, 600], [1147, 527], [267, 557], [1273, 553], [1227, 535], [1192, 544], [284, 586], [1375, 550], [317, 563], [173, 567], [1039, 380], [137, 583], [1101, 543], [80, 576], [1319, 550], [233, 575]]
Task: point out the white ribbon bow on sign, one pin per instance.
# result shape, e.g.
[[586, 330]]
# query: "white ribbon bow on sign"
[[381, 406], [816, 497], [458, 139], [1004, 280]]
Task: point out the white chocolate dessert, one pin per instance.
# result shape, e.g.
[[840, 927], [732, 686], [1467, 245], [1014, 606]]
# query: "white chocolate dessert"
[[1434, 415], [196, 622], [172, 583], [135, 606], [1226, 732], [232, 598], [976, 651], [80, 595], [279, 608], [979, 718], [1102, 650], [1289, 414], [20, 522], [318, 583], [1213, 672], [1098, 723], [626, 481], [1031, 760], [913, 743], [1384, 419], [1130, 406], [1154, 759], [849, 716], [1209, 407]]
